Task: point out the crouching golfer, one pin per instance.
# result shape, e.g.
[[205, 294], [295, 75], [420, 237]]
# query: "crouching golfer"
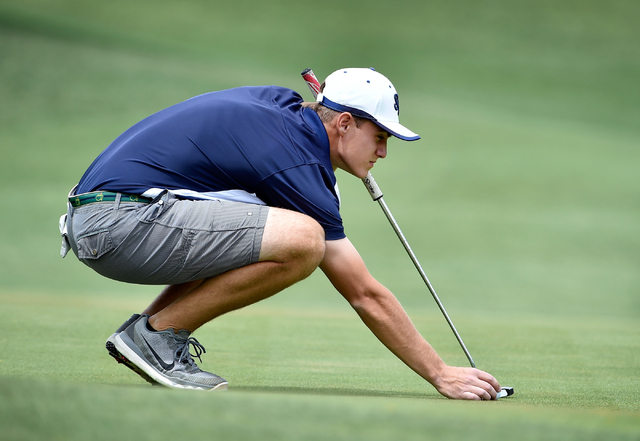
[[230, 197]]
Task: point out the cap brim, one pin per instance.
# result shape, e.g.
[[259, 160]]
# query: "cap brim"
[[395, 128], [398, 130]]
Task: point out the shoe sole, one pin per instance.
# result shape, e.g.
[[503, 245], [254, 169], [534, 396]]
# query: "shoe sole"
[[146, 371], [121, 359]]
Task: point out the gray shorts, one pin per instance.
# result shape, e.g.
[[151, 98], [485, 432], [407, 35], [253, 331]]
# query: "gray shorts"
[[168, 241]]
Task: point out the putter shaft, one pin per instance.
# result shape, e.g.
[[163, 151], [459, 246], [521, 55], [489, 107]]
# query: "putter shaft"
[[376, 195]]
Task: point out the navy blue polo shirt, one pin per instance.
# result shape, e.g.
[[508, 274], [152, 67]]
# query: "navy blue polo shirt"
[[256, 139]]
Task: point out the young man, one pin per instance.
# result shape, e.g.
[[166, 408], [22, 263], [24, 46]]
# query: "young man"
[[229, 198]]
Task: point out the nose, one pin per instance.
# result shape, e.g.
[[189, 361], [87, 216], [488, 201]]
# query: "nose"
[[382, 151]]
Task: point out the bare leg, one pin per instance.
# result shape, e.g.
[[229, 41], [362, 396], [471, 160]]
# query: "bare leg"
[[170, 294], [292, 248]]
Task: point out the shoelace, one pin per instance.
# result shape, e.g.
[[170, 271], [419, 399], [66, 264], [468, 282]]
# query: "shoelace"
[[183, 353]]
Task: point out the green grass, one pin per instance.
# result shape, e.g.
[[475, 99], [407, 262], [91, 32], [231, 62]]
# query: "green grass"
[[293, 372], [521, 202], [103, 413]]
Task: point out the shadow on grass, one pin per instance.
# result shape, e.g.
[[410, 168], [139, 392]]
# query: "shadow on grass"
[[329, 391]]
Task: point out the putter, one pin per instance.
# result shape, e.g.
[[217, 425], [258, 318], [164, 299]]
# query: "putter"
[[376, 195]]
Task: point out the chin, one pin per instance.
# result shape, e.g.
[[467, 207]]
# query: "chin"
[[361, 174]]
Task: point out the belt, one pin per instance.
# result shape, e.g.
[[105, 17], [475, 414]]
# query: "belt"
[[105, 196]]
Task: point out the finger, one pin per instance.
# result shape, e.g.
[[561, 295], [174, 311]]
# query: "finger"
[[477, 394], [485, 376], [483, 394], [489, 394], [470, 396], [482, 389], [492, 385]]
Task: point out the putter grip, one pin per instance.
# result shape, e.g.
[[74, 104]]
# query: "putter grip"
[[373, 188], [311, 81]]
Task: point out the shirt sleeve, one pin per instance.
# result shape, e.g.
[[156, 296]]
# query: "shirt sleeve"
[[307, 189]]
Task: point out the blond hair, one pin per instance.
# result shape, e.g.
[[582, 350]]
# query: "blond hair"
[[326, 114]]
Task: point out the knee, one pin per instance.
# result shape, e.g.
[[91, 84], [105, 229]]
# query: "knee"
[[293, 238], [318, 244], [309, 242]]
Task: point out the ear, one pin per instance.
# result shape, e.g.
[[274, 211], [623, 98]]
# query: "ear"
[[343, 122]]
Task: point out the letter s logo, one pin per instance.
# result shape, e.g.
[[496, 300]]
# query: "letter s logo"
[[397, 103]]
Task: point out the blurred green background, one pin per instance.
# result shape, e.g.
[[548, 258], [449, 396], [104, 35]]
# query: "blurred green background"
[[522, 202]]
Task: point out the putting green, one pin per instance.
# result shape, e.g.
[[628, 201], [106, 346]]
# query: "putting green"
[[520, 203]]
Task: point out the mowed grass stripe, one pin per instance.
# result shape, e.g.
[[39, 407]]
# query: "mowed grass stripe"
[[551, 361], [76, 412]]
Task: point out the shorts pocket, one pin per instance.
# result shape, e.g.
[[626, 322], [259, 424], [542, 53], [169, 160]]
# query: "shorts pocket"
[[94, 245]]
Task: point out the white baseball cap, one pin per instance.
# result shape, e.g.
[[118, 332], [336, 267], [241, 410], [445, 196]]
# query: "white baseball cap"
[[367, 94]]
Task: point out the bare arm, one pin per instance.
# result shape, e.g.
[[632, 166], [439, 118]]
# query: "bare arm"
[[384, 316]]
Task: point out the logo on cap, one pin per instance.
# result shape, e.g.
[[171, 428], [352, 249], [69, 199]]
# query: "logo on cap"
[[396, 106]]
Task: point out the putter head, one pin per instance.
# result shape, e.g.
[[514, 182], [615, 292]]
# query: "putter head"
[[505, 392]]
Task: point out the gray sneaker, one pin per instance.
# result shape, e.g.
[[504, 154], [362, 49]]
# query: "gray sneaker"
[[111, 348], [164, 356], [122, 327]]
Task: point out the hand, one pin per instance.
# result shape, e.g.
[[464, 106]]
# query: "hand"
[[467, 384]]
